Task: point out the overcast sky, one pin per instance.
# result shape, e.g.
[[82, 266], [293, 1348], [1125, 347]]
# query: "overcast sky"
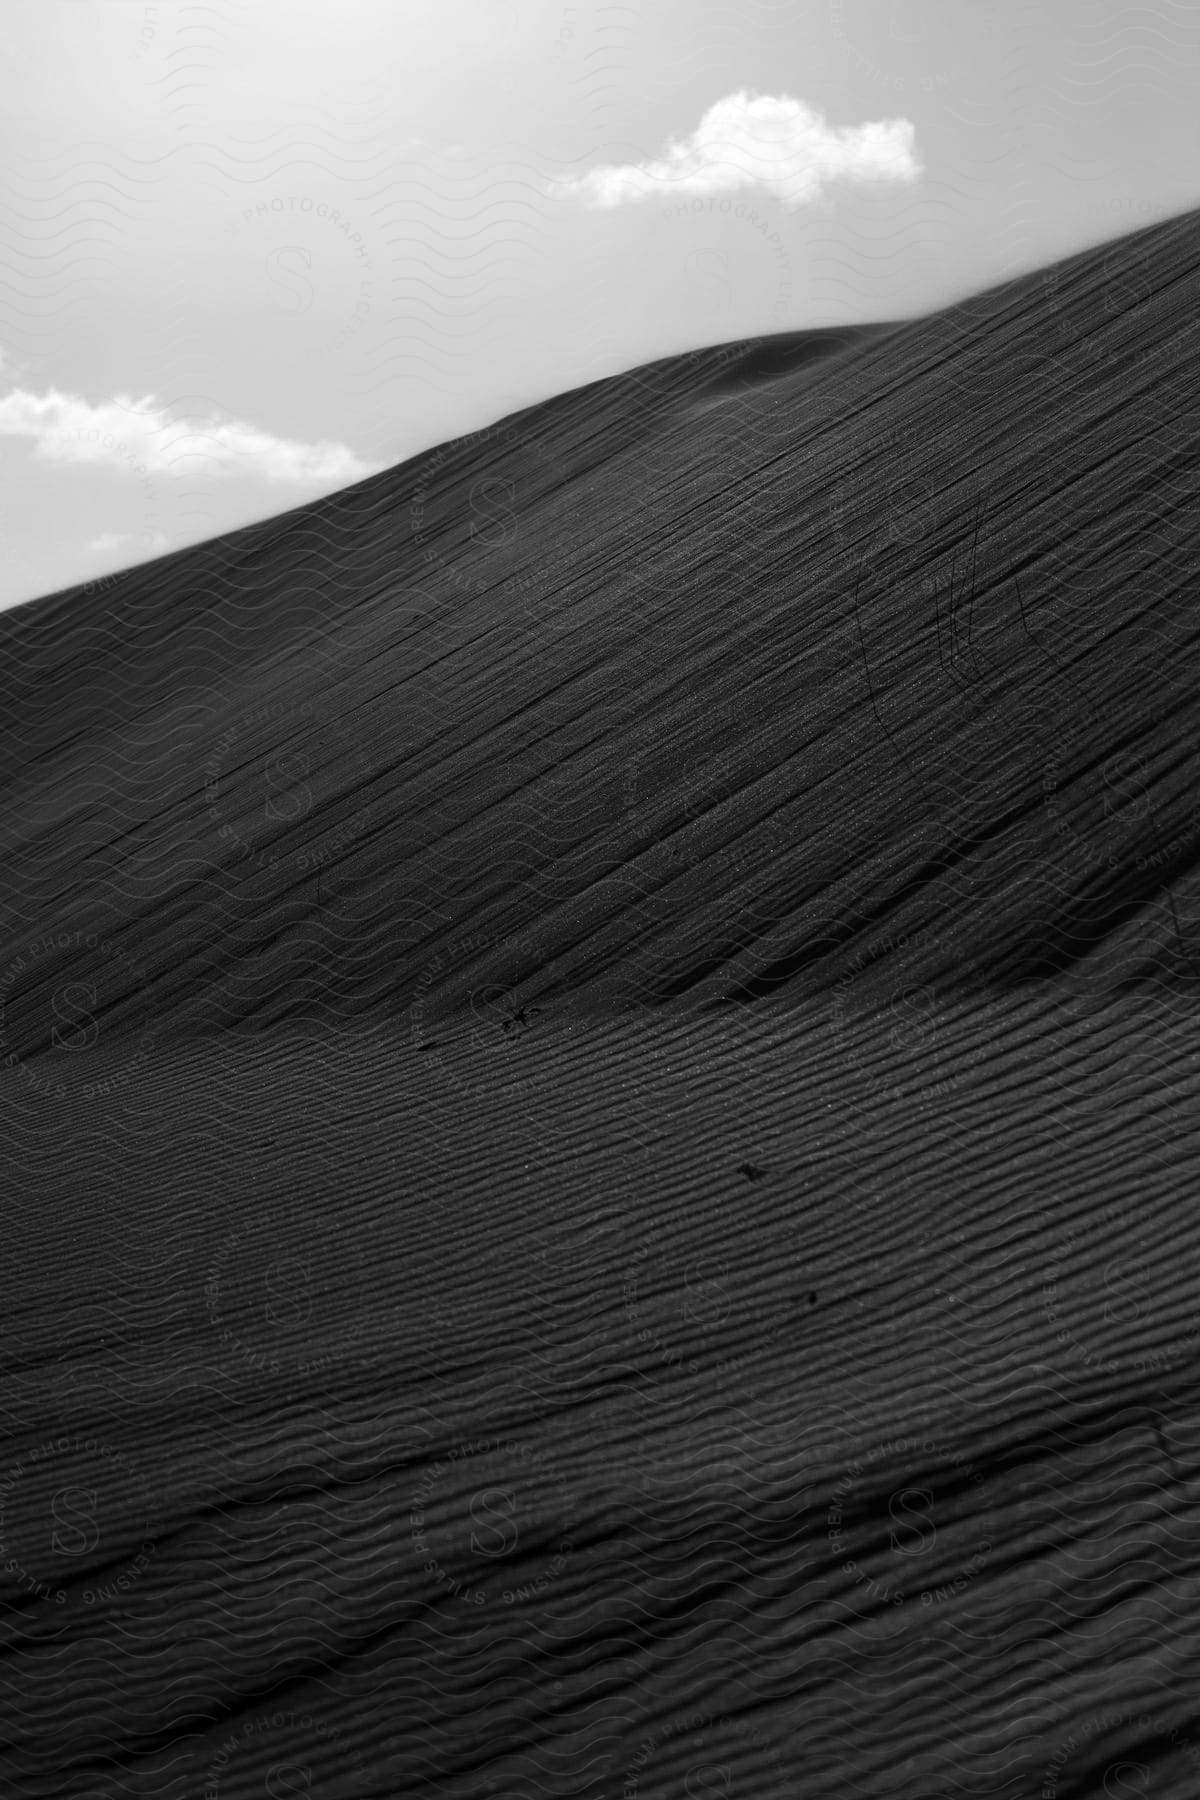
[[253, 249]]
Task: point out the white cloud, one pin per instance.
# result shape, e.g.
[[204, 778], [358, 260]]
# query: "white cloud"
[[146, 541], [141, 437], [769, 142]]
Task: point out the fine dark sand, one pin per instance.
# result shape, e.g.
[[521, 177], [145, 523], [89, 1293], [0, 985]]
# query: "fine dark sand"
[[600, 1073]]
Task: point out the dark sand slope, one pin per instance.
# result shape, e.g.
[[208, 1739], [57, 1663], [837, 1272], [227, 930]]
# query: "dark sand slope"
[[601, 1051]]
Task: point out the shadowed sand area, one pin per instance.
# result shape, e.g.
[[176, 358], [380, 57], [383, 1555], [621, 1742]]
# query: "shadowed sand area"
[[600, 1070]]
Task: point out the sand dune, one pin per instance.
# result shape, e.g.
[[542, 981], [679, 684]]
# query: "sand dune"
[[600, 1064]]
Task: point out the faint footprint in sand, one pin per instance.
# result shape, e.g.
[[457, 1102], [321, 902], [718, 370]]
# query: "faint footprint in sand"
[[498, 1020]]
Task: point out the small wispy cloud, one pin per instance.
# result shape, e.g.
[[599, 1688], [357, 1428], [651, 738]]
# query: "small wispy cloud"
[[142, 437], [766, 141], [109, 542]]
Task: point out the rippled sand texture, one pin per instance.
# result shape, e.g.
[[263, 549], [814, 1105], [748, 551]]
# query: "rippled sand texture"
[[600, 1073]]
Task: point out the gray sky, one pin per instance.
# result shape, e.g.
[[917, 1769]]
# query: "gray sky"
[[253, 249]]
